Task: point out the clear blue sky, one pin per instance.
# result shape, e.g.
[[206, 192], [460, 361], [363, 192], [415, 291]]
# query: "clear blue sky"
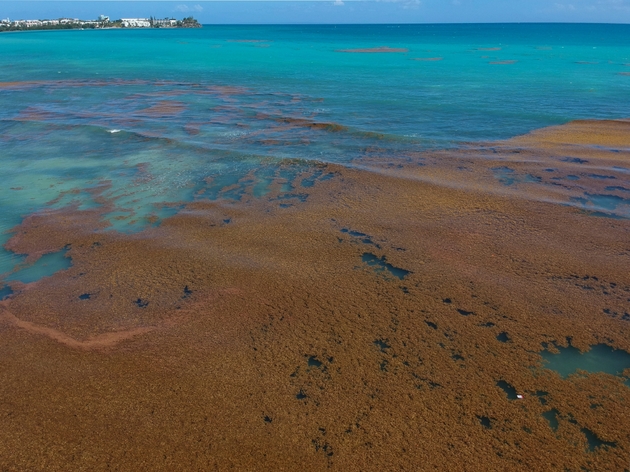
[[333, 11]]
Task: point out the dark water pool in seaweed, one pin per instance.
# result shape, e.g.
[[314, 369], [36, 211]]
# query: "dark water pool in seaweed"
[[509, 390], [381, 266], [508, 176], [600, 358], [360, 237], [594, 441], [604, 204], [552, 418], [505, 175], [503, 337], [5, 292], [314, 362], [485, 422]]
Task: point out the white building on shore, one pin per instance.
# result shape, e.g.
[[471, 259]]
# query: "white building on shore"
[[135, 22], [165, 23]]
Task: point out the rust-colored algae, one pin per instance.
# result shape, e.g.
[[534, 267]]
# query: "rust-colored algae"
[[163, 108], [267, 344], [100, 341], [611, 133]]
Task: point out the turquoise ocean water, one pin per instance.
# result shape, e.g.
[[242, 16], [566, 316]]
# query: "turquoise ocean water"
[[173, 115]]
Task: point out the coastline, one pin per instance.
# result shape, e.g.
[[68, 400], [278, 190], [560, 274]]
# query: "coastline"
[[340, 360], [100, 29]]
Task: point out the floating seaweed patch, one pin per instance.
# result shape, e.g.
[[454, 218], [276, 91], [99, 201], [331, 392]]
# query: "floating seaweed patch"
[[163, 108], [304, 123]]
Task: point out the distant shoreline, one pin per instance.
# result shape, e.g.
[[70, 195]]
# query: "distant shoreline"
[[103, 22], [43, 30]]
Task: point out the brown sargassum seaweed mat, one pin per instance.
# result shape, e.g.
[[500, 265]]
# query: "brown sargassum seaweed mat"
[[249, 336]]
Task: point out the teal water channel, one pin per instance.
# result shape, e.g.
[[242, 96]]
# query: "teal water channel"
[[601, 358], [45, 266]]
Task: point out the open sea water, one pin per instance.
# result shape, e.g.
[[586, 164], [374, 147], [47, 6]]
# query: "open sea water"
[[167, 116]]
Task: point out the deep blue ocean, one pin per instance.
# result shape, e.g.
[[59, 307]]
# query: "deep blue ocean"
[[168, 116]]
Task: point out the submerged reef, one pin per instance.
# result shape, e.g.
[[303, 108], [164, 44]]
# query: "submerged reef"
[[380, 49], [390, 316]]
